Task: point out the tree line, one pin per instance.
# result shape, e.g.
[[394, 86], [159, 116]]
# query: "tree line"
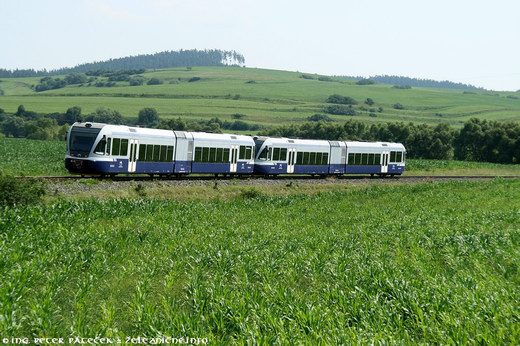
[[412, 82], [167, 59], [477, 140]]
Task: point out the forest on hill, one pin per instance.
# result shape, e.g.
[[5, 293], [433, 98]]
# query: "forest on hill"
[[167, 59], [405, 82]]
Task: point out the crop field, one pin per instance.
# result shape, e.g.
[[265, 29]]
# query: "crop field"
[[429, 263], [265, 97], [20, 156]]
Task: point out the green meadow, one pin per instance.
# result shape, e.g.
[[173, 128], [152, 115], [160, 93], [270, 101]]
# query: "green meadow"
[[266, 97], [428, 263]]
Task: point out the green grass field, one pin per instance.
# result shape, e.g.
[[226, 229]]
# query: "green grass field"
[[19, 156], [430, 263], [276, 97]]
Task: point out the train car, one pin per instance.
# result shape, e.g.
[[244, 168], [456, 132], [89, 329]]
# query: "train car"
[[222, 153], [379, 158], [299, 156], [94, 148]]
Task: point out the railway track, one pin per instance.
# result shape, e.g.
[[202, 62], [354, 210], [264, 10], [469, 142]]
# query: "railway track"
[[281, 177]]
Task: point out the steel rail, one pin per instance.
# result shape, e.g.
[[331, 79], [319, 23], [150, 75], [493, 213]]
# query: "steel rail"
[[278, 177]]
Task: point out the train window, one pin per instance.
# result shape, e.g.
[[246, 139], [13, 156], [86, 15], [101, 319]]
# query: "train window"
[[124, 147], [377, 160], [392, 156], [100, 147], [115, 146], [249, 153], [371, 159], [109, 145], [212, 155], [283, 154], [162, 153], [149, 153], [219, 154], [276, 154], [306, 158], [312, 158], [358, 160], [142, 152], [169, 155], [263, 154], [198, 154], [225, 157], [399, 157], [325, 159], [205, 154], [242, 152], [156, 153], [299, 158], [351, 158]]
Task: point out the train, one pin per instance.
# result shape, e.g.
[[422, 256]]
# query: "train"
[[108, 150]]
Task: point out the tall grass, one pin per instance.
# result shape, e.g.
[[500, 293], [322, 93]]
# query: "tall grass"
[[19, 156], [433, 263]]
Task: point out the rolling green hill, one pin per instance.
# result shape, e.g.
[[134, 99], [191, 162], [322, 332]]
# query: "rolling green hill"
[[266, 97]]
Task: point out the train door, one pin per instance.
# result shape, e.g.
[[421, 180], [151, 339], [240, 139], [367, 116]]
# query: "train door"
[[132, 158], [234, 158], [384, 161], [291, 159]]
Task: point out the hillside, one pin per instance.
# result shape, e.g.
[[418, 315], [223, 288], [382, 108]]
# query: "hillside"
[[265, 97]]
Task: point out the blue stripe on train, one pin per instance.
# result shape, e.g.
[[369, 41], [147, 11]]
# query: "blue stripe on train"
[[311, 169], [359, 169], [204, 167]]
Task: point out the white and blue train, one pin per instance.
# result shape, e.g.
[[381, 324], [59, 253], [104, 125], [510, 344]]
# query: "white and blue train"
[[95, 148]]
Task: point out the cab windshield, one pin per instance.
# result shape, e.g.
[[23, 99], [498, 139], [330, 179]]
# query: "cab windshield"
[[82, 139]]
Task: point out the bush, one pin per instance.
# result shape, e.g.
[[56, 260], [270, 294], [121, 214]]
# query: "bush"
[[365, 81], [398, 106], [237, 116], [369, 101], [307, 76], [402, 87], [251, 82], [49, 83], [193, 79], [325, 79], [135, 81], [19, 192], [76, 78], [154, 81], [320, 117], [338, 99], [340, 110]]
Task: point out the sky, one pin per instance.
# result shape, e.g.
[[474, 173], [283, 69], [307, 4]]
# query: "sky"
[[469, 41]]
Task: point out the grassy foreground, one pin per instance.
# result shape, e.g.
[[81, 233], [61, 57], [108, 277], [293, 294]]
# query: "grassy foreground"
[[429, 263]]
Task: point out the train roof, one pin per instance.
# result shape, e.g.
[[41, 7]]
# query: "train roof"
[[220, 136], [378, 145], [295, 141]]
